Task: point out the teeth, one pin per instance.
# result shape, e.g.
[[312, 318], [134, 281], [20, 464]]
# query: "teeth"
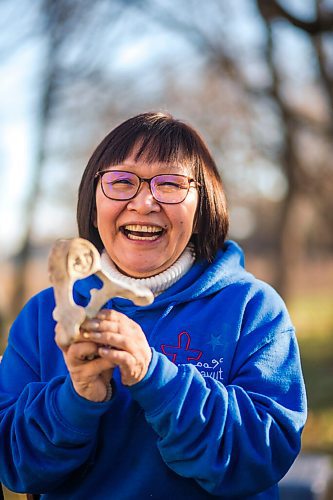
[[135, 237], [143, 229]]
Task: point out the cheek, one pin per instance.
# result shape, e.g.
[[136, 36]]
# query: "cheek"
[[106, 211], [186, 226], [103, 218], [185, 215]]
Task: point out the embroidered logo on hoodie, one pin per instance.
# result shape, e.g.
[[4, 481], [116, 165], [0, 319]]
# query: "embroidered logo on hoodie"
[[182, 352]]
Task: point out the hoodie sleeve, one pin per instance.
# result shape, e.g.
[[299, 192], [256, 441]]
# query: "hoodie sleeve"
[[240, 438], [47, 430]]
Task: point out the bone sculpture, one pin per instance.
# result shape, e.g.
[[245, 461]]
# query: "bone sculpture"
[[74, 259]]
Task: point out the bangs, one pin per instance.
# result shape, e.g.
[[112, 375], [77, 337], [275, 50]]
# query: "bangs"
[[154, 140]]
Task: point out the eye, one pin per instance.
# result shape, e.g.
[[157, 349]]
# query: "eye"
[[171, 182], [121, 181]]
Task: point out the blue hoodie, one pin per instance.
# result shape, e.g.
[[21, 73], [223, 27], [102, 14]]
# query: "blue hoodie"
[[219, 412]]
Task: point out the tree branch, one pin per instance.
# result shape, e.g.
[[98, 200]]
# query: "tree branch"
[[271, 9]]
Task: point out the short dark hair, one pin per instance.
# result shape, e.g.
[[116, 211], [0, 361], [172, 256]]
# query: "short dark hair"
[[160, 137]]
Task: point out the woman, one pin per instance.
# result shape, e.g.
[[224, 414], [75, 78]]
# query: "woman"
[[198, 394]]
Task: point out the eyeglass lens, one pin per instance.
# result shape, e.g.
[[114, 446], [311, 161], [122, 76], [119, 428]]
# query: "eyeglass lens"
[[166, 188]]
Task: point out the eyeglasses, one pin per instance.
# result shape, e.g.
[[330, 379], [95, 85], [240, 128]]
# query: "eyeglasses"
[[165, 188]]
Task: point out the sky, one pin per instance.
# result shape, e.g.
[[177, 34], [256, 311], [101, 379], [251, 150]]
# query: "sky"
[[16, 139]]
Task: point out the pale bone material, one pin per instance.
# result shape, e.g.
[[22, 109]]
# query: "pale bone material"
[[71, 260]]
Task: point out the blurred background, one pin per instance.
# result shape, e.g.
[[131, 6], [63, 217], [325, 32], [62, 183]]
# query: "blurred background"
[[254, 76]]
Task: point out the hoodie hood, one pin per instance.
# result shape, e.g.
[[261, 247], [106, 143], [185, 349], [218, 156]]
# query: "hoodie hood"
[[201, 280]]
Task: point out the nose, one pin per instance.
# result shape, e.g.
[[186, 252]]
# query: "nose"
[[144, 202]]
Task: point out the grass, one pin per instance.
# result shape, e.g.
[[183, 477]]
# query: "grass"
[[313, 318], [9, 495]]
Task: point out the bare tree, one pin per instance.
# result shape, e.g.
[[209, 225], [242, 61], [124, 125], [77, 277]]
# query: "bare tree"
[[301, 181], [66, 28], [205, 27]]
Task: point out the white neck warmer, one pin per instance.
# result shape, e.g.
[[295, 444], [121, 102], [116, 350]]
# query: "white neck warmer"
[[160, 282]]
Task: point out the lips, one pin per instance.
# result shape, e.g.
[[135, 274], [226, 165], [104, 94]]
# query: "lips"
[[142, 232]]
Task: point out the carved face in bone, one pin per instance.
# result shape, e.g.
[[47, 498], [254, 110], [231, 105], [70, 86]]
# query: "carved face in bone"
[[81, 260]]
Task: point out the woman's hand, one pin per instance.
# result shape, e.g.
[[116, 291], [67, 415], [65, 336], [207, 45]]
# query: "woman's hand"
[[90, 373], [109, 340], [119, 342]]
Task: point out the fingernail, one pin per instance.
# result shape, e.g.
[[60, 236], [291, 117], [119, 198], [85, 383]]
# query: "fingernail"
[[104, 351], [94, 324], [91, 335], [101, 316], [103, 313]]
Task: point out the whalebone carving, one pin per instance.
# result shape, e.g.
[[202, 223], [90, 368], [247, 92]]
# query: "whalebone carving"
[[74, 259]]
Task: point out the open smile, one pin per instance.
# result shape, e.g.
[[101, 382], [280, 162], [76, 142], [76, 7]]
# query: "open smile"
[[143, 233]]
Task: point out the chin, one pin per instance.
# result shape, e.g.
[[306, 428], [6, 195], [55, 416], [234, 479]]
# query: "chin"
[[136, 271], [141, 274]]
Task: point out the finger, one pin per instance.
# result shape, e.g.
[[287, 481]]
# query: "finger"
[[99, 337], [97, 366], [89, 368], [126, 361], [132, 370], [99, 326], [109, 319], [109, 314], [81, 352], [122, 325], [118, 357], [90, 324], [112, 315], [118, 341]]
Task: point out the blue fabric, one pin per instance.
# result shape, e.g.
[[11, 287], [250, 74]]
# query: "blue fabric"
[[219, 412]]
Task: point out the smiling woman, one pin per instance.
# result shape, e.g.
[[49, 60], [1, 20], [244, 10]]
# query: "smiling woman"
[[198, 394], [158, 144], [147, 226]]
